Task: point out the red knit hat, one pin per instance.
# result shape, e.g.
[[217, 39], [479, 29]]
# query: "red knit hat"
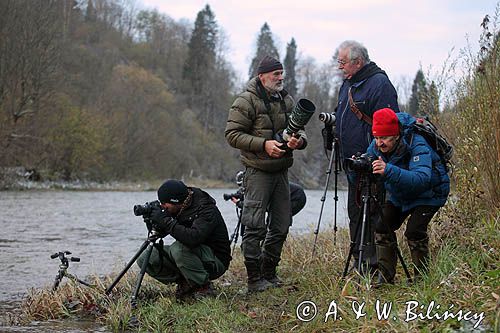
[[385, 123]]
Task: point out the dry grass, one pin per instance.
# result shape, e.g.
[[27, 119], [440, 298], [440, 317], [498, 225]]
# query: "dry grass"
[[469, 280]]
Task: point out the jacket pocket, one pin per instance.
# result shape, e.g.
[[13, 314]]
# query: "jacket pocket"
[[253, 214]]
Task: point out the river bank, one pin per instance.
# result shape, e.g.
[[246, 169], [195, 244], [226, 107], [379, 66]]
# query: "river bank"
[[98, 227], [315, 297], [20, 179]]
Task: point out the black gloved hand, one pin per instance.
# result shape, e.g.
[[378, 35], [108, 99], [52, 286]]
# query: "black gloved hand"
[[327, 134], [162, 221]]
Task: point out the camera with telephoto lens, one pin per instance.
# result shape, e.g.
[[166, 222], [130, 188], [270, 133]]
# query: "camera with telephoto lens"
[[299, 118], [237, 195], [328, 118], [146, 209], [361, 163], [240, 194]]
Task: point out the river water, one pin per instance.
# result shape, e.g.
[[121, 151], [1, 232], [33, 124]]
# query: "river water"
[[99, 228]]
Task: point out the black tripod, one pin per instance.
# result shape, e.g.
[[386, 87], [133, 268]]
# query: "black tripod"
[[63, 269], [236, 233], [334, 158], [364, 226], [154, 238]]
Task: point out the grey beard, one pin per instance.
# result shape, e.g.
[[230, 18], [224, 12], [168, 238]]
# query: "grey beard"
[[276, 88]]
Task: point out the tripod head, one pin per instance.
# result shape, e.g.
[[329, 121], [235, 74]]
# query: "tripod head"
[[153, 233], [64, 260], [63, 267]]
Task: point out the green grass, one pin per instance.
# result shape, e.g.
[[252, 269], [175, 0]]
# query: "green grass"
[[463, 275]]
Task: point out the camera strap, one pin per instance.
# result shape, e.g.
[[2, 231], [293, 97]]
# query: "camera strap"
[[355, 109], [262, 94]]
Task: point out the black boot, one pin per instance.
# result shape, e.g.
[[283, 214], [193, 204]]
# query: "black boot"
[[268, 270], [419, 250], [386, 257], [256, 283]]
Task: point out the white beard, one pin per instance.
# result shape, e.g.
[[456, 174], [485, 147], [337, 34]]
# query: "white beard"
[[277, 87]]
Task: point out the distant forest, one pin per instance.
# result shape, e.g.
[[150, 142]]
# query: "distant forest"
[[103, 90]]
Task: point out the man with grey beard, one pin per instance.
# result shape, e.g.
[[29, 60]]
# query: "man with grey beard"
[[255, 118]]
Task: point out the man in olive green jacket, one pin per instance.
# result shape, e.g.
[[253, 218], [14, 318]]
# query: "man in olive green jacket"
[[255, 117]]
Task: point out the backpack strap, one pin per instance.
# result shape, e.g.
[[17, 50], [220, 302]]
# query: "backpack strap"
[[434, 163], [357, 112]]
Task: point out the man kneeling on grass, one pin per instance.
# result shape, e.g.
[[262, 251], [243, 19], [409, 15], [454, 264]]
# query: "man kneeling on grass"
[[201, 251]]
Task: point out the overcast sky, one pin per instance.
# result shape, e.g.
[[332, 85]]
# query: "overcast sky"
[[401, 36]]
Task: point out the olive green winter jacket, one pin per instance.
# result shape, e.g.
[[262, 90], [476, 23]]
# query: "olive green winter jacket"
[[250, 123]]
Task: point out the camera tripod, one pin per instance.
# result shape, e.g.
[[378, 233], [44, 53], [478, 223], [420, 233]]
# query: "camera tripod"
[[236, 233], [364, 227], [154, 238], [63, 269], [334, 158]]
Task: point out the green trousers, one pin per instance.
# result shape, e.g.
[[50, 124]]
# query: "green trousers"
[[176, 262], [271, 192]]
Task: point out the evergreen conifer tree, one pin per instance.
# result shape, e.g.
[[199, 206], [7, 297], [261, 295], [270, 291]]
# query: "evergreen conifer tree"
[[289, 64], [265, 46]]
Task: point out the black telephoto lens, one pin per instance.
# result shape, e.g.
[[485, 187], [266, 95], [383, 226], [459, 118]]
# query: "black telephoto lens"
[[139, 210], [146, 209]]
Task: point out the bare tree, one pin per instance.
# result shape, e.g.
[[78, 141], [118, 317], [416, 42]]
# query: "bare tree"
[[30, 34]]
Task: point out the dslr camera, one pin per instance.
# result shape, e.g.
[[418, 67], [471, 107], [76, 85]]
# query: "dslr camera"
[[240, 194], [237, 195], [361, 163], [146, 209]]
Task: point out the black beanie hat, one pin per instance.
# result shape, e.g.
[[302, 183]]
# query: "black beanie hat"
[[172, 191], [268, 64]]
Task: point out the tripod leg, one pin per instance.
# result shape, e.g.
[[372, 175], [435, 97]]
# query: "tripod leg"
[[130, 263], [133, 298], [235, 235], [405, 268], [349, 256], [364, 231], [74, 278], [323, 198], [57, 281], [336, 153], [352, 246]]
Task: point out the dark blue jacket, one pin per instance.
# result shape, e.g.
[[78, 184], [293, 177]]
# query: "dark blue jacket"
[[371, 90], [414, 174]]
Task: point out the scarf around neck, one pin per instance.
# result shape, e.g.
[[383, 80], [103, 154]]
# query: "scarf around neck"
[[368, 70]]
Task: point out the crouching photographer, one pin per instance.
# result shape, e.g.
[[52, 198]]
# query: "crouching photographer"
[[201, 250], [417, 185]]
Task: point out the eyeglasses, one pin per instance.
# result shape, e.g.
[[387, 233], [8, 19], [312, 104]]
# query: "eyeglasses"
[[344, 62]]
